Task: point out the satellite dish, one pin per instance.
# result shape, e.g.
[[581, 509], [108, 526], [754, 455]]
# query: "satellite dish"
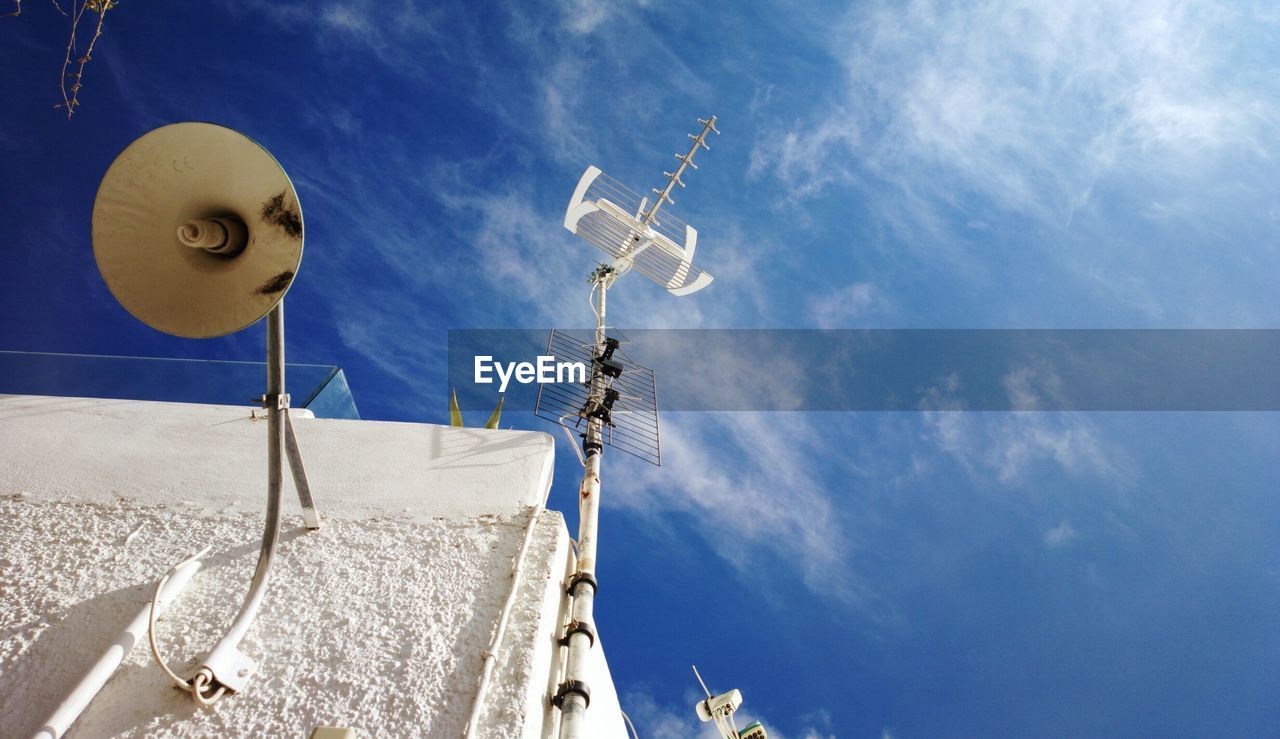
[[198, 233], [197, 230]]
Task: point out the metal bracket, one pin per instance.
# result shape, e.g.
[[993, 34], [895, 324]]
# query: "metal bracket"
[[578, 627], [603, 273], [231, 668], [310, 517], [572, 686], [583, 576], [281, 401]]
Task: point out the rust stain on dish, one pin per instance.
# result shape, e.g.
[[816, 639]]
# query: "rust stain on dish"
[[276, 284], [287, 217]]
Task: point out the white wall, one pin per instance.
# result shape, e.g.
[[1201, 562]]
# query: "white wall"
[[376, 621]]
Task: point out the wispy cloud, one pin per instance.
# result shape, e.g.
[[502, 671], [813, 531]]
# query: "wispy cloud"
[[1009, 445], [1032, 104], [807, 157], [659, 721], [1060, 535], [847, 306], [396, 32], [586, 16], [1062, 119], [729, 474]]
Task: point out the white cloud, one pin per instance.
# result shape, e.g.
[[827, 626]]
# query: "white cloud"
[[398, 32], [347, 18], [655, 721], [1009, 444], [806, 157], [1032, 104], [585, 16], [1058, 123], [846, 306], [1060, 535], [738, 476]]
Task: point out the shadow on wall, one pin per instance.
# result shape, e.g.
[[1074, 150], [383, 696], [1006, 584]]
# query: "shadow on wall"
[[77, 636]]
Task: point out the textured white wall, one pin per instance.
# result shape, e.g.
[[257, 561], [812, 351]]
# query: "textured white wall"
[[377, 621]]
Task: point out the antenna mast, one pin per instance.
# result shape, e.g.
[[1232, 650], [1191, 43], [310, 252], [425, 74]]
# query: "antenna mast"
[[613, 218]]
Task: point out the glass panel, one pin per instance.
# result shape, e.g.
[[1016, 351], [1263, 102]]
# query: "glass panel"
[[320, 388]]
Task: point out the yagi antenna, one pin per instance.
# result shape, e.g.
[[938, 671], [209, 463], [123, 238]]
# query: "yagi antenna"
[[624, 225], [198, 233], [618, 403]]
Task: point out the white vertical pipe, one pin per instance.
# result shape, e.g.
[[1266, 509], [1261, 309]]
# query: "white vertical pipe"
[[491, 654], [85, 691], [573, 708]]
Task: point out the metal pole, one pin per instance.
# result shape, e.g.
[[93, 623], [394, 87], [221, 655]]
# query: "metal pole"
[[226, 667], [573, 695]]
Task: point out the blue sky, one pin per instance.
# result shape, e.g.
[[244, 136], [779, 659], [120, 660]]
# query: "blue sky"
[[882, 165]]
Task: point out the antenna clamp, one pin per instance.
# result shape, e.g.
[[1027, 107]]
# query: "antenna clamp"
[[580, 577], [279, 400], [578, 627], [572, 686]]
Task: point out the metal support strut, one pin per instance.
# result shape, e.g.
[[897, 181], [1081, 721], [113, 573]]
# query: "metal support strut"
[[573, 695], [227, 669]]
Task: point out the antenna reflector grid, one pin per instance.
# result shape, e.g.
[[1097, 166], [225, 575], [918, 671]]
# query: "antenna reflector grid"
[[633, 424], [610, 216]]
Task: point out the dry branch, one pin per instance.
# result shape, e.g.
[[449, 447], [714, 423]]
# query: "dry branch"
[[100, 7]]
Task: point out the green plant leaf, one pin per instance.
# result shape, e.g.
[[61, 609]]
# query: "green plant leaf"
[[492, 423], [455, 415]]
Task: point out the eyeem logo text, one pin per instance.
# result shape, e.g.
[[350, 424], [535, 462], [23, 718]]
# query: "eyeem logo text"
[[545, 370]]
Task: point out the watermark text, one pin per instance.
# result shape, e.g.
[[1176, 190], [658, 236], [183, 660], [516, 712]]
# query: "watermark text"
[[543, 371]]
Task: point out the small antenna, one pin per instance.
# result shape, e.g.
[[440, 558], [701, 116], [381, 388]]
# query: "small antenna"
[[700, 680], [720, 709]]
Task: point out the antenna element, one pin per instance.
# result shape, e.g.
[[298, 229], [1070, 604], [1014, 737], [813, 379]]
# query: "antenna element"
[[673, 178]]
